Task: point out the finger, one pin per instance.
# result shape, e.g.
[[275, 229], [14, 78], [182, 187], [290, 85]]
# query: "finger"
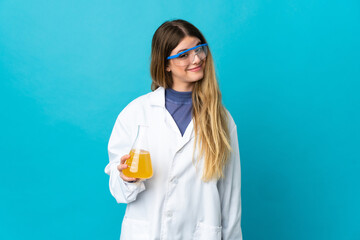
[[124, 158], [127, 179], [121, 167]]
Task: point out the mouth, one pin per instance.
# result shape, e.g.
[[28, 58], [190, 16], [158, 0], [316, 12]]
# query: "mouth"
[[195, 69]]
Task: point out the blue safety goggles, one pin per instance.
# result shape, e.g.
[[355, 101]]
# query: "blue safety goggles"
[[202, 48]]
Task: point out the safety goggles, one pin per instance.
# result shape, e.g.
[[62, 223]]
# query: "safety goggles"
[[186, 57]]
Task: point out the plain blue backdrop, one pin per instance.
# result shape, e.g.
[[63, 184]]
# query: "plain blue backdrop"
[[289, 73]]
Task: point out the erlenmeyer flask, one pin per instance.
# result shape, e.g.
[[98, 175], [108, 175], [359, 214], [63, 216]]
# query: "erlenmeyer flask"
[[139, 163]]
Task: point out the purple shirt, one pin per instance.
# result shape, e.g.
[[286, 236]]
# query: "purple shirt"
[[179, 105]]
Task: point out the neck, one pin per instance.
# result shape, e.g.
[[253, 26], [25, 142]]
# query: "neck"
[[183, 87]]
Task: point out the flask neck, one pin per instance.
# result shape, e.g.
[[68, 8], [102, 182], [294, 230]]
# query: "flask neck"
[[141, 142]]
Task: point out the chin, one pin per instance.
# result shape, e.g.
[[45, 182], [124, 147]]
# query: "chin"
[[196, 77], [199, 78]]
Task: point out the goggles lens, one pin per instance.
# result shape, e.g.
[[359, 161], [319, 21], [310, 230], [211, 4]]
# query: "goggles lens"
[[187, 57]]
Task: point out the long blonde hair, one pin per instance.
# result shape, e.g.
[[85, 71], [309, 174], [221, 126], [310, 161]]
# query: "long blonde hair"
[[210, 117]]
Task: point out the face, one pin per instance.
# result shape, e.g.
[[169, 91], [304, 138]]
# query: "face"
[[184, 77]]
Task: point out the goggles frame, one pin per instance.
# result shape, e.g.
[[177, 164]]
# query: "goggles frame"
[[177, 55]]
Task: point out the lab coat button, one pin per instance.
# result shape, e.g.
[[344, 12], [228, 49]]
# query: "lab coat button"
[[169, 214]]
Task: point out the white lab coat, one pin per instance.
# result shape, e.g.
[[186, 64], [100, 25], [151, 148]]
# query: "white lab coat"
[[175, 203]]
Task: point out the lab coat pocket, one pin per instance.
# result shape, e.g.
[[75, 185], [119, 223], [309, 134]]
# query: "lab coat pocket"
[[207, 232], [133, 229]]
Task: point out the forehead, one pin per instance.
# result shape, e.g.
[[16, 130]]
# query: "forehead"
[[186, 43]]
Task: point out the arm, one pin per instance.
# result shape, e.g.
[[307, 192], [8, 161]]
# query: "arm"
[[230, 193], [119, 145]]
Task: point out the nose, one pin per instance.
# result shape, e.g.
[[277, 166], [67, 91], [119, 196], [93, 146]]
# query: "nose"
[[196, 59]]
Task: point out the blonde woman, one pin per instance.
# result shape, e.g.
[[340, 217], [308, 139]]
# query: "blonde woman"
[[194, 192]]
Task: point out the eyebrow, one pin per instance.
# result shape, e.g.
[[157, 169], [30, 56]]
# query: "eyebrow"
[[187, 48]]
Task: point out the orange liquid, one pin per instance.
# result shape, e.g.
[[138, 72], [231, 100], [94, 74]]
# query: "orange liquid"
[[139, 165]]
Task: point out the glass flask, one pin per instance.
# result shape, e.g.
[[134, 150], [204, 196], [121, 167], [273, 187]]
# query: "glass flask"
[[139, 163]]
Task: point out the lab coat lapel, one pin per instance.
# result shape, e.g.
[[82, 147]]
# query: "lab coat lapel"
[[188, 134], [157, 98]]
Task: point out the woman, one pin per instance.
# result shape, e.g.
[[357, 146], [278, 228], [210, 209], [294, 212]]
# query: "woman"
[[195, 189]]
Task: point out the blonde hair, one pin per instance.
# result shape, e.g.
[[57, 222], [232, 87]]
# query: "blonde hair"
[[210, 117]]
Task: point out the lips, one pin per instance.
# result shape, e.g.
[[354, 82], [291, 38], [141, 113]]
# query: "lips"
[[195, 69]]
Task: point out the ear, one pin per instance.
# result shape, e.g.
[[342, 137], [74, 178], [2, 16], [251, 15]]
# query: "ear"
[[168, 69]]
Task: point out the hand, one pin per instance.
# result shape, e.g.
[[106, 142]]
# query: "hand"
[[123, 166]]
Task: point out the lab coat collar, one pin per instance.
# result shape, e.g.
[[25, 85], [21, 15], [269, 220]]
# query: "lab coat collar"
[[157, 97]]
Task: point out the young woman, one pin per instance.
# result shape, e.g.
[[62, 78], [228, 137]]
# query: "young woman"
[[194, 192]]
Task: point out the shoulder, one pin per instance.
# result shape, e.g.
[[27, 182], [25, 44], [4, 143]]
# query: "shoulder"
[[139, 101], [140, 107], [231, 122], [136, 106], [156, 97]]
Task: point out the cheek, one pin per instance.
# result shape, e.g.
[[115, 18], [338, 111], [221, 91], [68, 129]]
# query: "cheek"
[[179, 71]]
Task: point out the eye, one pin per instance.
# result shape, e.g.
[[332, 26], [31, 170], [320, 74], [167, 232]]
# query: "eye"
[[184, 55], [198, 50]]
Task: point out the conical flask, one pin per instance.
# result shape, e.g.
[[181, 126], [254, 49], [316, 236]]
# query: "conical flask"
[[139, 163]]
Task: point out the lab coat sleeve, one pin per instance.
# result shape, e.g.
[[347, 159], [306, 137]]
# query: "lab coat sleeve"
[[119, 145], [230, 193]]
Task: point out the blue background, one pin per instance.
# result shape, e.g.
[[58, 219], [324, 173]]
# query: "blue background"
[[289, 72]]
